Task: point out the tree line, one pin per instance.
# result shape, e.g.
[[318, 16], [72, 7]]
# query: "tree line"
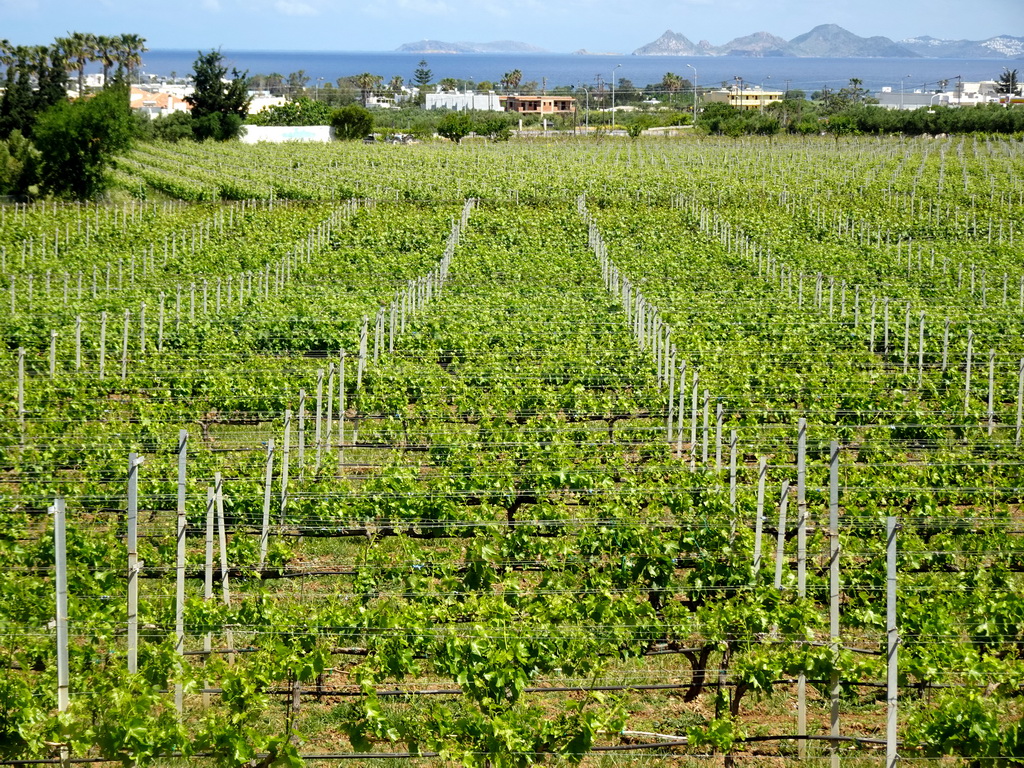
[[49, 144]]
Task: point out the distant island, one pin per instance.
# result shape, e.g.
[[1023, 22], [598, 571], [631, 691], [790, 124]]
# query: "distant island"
[[439, 46], [832, 41], [824, 41]]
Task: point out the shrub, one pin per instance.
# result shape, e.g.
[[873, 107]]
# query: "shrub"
[[351, 122]]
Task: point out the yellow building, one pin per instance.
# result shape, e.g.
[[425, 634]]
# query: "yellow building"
[[743, 98]]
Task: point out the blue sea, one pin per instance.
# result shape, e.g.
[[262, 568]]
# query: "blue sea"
[[585, 69]]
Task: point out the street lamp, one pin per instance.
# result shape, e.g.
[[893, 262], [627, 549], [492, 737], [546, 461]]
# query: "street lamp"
[[903, 81], [694, 92], [316, 89], [613, 94], [587, 129]]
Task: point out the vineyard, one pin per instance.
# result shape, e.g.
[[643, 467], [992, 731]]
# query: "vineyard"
[[595, 452]]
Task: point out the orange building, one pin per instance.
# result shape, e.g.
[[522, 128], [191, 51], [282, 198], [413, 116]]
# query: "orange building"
[[540, 105]]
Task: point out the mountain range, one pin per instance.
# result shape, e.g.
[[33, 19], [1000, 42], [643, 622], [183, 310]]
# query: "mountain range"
[[832, 41], [824, 41]]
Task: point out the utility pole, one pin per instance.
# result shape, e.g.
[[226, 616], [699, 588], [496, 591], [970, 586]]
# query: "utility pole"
[[694, 92]]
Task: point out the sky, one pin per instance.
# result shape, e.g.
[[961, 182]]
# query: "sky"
[[556, 25]]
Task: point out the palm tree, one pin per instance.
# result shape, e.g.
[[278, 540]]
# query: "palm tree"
[[106, 49], [511, 80], [80, 49], [367, 84], [448, 84], [395, 85], [130, 48], [672, 82]]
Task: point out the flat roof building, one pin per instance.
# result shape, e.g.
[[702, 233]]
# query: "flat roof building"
[[540, 105], [745, 98]]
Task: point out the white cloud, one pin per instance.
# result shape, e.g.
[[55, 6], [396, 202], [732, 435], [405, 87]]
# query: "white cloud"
[[210, 5], [295, 8]]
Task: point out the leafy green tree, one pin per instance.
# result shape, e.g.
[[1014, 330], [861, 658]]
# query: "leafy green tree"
[[218, 108], [497, 128], [35, 80], [17, 106], [19, 166], [301, 111], [714, 116], [77, 142], [351, 122], [297, 82], [455, 126], [638, 125], [848, 96], [173, 127], [51, 77]]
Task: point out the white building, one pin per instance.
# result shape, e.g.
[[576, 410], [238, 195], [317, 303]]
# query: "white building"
[[963, 94], [462, 101]]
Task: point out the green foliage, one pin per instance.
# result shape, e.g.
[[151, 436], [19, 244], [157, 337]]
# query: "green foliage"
[[969, 725], [496, 128], [713, 117], [217, 126], [218, 108], [78, 142], [1007, 83], [455, 126], [422, 74], [301, 111], [351, 122], [174, 127], [19, 166]]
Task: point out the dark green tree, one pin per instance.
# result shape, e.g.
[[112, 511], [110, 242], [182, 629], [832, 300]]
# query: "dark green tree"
[[1007, 83], [51, 77], [297, 82], [19, 166], [496, 128], [78, 142], [17, 106], [351, 122], [714, 116], [173, 127], [422, 76], [218, 108], [455, 126]]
